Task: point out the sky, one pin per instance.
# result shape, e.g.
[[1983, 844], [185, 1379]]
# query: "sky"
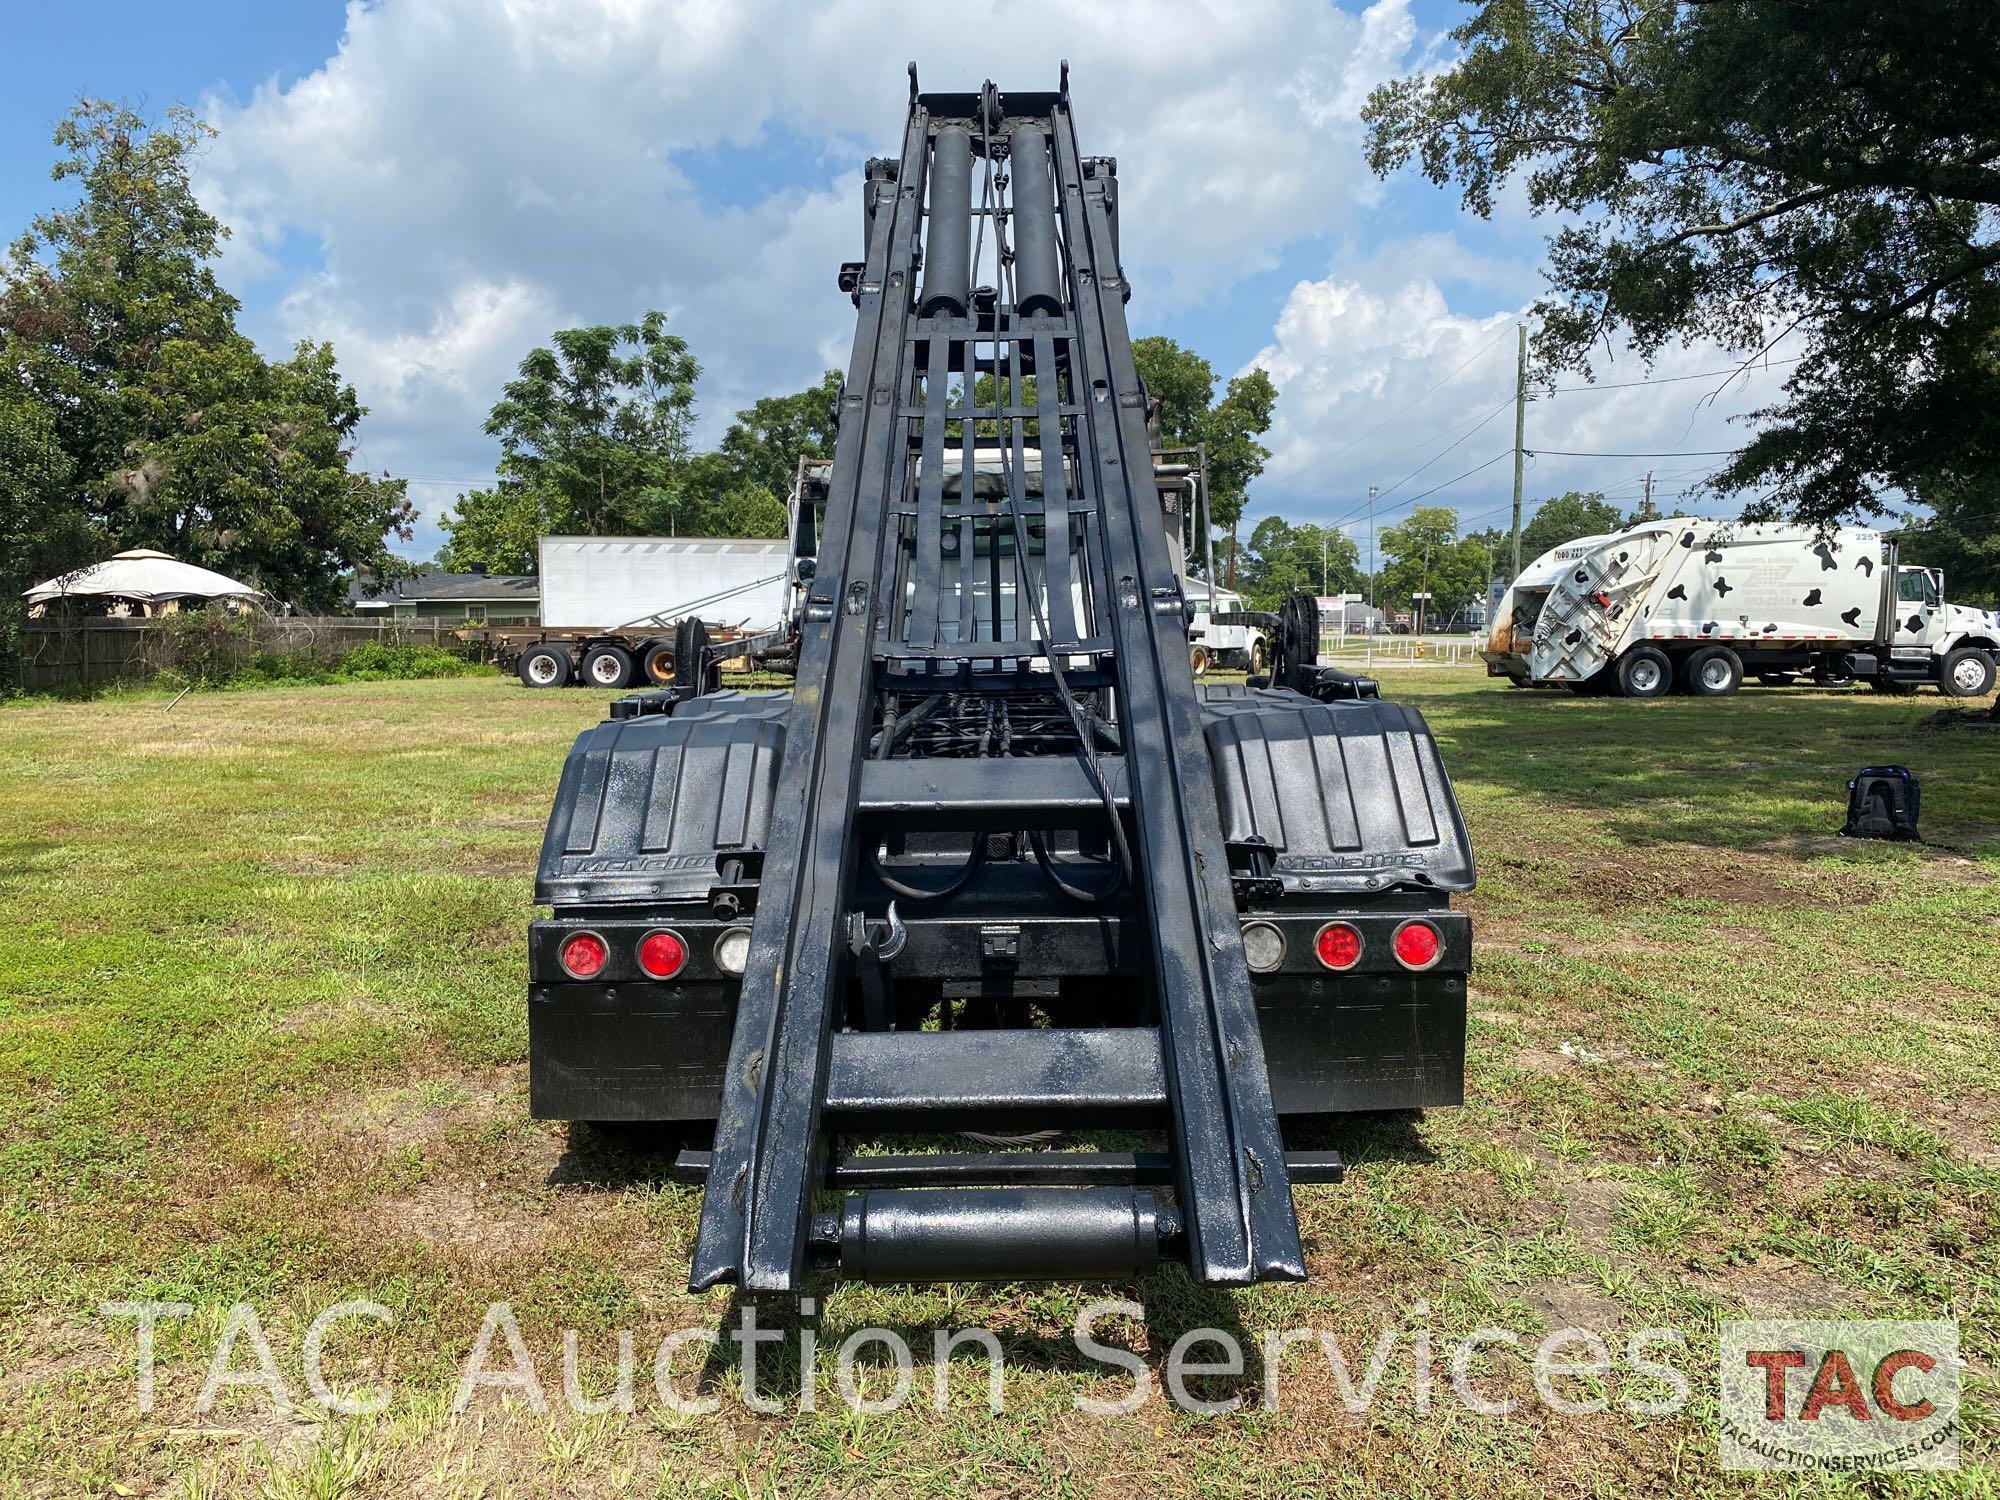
[[436, 186]]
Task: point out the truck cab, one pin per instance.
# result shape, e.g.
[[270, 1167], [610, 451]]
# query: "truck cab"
[[1937, 641], [1224, 647]]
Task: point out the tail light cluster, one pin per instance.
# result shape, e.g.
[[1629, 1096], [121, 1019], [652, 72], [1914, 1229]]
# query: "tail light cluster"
[[1416, 945], [662, 953]]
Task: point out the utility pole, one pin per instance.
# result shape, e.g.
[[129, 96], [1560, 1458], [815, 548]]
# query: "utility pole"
[[1646, 505], [1322, 562], [1520, 431], [1372, 570]]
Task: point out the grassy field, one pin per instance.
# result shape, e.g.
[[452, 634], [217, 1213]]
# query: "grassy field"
[[262, 1040]]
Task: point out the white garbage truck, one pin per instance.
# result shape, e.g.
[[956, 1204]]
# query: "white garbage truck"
[[1688, 605]]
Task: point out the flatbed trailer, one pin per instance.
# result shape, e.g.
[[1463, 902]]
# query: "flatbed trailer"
[[548, 658], [995, 862]]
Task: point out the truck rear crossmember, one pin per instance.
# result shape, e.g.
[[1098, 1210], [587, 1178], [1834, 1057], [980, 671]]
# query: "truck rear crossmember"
[[993, 861]]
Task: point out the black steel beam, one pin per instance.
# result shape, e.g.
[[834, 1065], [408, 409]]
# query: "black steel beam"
[[1016, 1169], [1027, 792], [1054, 1069], [1233, 1187], [768, 1146]]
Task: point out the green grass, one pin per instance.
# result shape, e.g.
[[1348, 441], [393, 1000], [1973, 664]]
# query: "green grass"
[[261, 1038]]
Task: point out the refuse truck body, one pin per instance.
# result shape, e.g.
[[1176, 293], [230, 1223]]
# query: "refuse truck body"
[[1695, 606]]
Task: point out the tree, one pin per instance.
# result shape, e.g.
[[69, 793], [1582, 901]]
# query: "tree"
[[1282, 557], [499, 528], [593, 438], [119, 347], [42, 532], [1963, 539], [1567, 517], [1184, 384], [741, 489], [1735, 172], [1424, 554]]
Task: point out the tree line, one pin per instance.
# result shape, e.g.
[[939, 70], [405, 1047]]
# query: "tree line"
[[594, 435], [134, 412], [1745, 174], [1426, 551]]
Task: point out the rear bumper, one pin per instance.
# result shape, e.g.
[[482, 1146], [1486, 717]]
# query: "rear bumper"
[[1375, 1038]]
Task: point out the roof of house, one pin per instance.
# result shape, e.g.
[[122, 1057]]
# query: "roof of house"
[[444, 588]]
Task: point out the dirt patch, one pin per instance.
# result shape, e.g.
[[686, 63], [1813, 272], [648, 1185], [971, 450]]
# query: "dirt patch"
[[424, 1113], [54, 1349], [1781, 1288], [331, 1015], [457, 1215], [1573, 1304], [1592, 1208]]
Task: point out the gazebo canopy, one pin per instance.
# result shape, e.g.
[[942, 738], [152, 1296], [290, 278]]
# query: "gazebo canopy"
[[140, 574]]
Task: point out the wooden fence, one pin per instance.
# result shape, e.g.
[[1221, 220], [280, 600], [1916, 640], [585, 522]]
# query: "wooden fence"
[[91, 653]]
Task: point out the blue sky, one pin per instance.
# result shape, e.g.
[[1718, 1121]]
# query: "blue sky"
[[436, 185]]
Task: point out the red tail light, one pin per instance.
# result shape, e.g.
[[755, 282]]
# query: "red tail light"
[[583, 955], [1416, 945], [662, 954], [1338, 945]]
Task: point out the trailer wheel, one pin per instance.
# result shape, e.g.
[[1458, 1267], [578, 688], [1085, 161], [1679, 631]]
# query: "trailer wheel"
[[657, 662], [1260, 658], [1966, 673], [543, 667], [607, 667], [1198, 661], [1714, 672], [1645, 673]]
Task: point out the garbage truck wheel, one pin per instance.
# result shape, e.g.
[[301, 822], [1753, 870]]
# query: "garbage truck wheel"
[[1645, 673], [1966, 673], [1714, 672]]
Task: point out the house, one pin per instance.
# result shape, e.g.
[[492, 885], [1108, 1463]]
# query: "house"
[[476, 598]]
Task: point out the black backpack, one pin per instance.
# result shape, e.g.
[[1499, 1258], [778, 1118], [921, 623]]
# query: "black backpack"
[[1882, 804]]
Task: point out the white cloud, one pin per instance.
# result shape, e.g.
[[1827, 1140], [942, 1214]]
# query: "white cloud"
[[1383, 382], [474, 175]]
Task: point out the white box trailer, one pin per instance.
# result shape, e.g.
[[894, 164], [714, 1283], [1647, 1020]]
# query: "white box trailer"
[[610, 604], [1691, 605], [615, 583]]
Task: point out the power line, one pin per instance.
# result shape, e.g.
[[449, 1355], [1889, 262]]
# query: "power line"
[[1503, 453], [1680, 453], [1627, 385], [1391, 489]]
